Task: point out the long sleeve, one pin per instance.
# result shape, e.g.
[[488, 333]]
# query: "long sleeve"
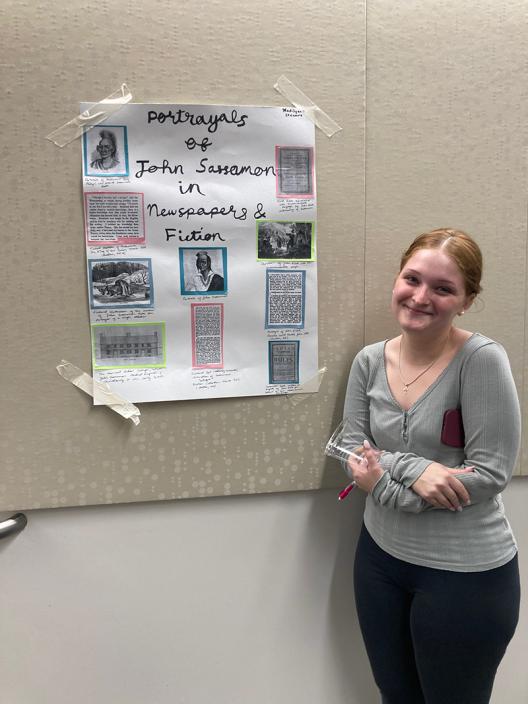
[[492, 422], [388, 491], [491, 418], [478, 381], [356, 408]]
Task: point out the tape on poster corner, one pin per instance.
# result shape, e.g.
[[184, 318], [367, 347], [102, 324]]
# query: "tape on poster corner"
[[97, 113], [309, 387], [313, 112], [105, 395]]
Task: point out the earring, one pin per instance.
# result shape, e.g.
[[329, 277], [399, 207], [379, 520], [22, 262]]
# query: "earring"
[[462, 312]]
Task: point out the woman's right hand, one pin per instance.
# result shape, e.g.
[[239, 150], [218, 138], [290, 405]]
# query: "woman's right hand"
[[364, 466], [439, 486]]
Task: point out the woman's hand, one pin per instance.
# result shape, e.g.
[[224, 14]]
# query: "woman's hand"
[[366, 471], [439, 486]]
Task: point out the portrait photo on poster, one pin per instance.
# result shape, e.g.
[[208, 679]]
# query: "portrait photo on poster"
[[120, 283], [203, 271], [105, 151]]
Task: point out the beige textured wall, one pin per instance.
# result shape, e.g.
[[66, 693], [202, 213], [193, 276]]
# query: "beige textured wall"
[[447, 121], [60, 451], [444, 144], [133, 600]]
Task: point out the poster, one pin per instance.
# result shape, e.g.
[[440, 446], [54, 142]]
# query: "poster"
[[201, 241]]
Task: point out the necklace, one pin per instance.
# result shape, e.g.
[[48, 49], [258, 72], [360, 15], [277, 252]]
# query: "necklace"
[[406, 384]]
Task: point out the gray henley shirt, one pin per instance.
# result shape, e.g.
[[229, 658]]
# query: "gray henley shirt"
[[479, 382]]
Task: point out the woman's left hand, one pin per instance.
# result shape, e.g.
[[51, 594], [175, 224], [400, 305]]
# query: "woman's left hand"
[[367, 471], [439, 486]]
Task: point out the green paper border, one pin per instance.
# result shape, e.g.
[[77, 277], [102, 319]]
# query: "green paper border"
[[130, 366], [312, 248]]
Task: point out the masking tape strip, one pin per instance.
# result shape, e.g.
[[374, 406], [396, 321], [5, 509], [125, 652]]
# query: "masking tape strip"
[[309, 387], [97, 113], [108, 397], [313, 112]]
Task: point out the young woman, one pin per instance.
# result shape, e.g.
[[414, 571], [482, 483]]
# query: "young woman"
[[436, 574]]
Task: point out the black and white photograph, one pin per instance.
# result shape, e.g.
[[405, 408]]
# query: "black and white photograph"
[[120, 283], [286, 240], [128, 345], [106, 151], [203, 271], [295, 172]]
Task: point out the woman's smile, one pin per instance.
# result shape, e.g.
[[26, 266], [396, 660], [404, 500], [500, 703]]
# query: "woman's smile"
[[428, 292], [416, 311]]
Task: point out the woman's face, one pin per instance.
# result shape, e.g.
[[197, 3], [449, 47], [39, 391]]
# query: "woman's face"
[[429, 292]]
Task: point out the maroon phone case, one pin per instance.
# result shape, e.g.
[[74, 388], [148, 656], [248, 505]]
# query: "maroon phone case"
[[453, 428]]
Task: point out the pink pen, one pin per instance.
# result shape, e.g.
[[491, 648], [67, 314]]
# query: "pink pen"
[[346, 491]]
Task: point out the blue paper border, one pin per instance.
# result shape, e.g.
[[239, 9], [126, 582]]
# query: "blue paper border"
[[298, 326], [94, 306], [105, 174], [183, 292], [271, 343]]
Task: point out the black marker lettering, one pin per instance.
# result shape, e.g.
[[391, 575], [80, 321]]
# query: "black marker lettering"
[[164, 168], [197, 236], [155, 211], [259, 212], [190, 188], [234, 169], [191, 143], [170, 232], [211, 121]]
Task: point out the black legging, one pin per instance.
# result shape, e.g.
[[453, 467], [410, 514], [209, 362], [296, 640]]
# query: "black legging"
[[433, 636]]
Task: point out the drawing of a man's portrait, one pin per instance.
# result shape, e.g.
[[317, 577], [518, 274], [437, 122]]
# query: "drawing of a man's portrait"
[[106, 151], [203, 271]]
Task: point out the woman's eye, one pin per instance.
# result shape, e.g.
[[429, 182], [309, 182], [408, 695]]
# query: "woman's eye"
[[443, 290], [411, 279]]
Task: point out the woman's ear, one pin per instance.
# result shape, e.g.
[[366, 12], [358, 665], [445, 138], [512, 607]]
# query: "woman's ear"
[[468, 303]]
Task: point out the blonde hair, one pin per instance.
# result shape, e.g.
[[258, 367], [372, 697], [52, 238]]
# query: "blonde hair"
[[458, 245]]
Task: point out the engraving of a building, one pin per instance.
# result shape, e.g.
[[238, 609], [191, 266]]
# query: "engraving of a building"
[[141, 344]]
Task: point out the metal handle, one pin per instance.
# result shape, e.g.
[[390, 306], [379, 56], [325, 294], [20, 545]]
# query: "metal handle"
[[13, 525]]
